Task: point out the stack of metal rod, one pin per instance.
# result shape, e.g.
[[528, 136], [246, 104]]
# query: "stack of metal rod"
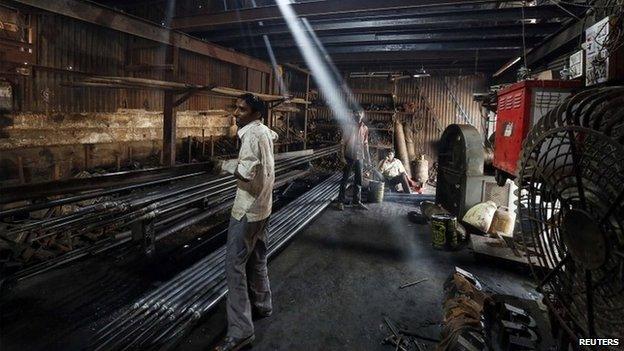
[[160, 318], [159, 206]]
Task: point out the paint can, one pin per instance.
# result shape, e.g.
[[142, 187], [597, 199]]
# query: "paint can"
[[375, 191], [444, 232]]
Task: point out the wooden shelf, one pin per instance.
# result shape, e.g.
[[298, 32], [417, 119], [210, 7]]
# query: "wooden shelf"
[[288, 143], [381, 146], [324, 126], [371, 91], [385, 112]]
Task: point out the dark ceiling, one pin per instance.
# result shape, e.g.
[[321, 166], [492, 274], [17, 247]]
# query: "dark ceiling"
[[371, 35]]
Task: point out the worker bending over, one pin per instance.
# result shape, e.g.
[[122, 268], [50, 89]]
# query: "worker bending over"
[[246, 249], [392, 172], [354, 154]]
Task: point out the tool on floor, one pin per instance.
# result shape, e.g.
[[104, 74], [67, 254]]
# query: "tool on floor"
[[413, 283], [399, 342], [396, 339]]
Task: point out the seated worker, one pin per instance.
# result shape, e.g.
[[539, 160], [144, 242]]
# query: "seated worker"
[[392, 172]]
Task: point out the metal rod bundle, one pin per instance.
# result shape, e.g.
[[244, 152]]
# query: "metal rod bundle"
[[166, 313], [181, 220], [171, 205]]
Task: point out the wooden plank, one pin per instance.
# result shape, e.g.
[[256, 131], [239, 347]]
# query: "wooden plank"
[[144, 83], [149, 67], [266, 97], [371, 91], [16, 56], [297, 68], [109, 18], [482, 245]]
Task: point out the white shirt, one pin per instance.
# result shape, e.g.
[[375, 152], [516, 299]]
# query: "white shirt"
[[255, 163], [392, 168]]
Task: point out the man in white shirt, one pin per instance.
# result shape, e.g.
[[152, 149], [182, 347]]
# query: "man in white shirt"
[[246, 250], [391, 171]]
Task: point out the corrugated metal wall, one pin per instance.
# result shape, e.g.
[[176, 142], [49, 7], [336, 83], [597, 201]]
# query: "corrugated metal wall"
[[69, 49], [440, 101], [436, 102]]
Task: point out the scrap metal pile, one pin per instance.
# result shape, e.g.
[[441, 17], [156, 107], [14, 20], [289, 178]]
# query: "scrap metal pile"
[[159, 319], [571, 211], [59, 222], [476, 317]]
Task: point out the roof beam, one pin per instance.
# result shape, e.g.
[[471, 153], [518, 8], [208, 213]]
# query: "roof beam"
[[109, 18], [457, 19], [416, 47], [435, 55], [479, 66], [483, 33], [305, 9], [553, 43]]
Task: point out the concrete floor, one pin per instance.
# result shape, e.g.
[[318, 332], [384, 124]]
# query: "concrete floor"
[[332, 286], [336, 281]]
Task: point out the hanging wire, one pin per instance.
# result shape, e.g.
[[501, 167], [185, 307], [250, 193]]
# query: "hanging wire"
[[524, 36], [589, 5], [523, 72], [615, 38], [558, 4], [476, 61]]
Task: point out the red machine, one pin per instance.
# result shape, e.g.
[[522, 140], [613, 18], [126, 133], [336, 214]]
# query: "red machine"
[[520, 106]]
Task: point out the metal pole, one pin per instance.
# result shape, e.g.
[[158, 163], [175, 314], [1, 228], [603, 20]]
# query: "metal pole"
[[305, 113]]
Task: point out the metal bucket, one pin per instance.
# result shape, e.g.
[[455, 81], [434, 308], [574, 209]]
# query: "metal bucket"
[[375, 191], [444, 232]]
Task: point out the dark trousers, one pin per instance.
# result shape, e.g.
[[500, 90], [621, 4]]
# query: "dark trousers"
[[246, 272], [401, 178], [356, 166]]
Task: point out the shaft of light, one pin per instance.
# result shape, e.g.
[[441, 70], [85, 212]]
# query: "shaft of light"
[[330, 63], [278, 76], [321, 73]]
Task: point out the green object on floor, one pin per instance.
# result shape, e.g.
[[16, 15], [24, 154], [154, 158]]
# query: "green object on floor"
[[444, 232]]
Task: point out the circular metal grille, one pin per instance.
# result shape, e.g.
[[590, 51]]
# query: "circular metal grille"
[[571, 210]]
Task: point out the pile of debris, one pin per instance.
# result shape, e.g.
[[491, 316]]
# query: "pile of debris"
[[478, 319], [464, 301]]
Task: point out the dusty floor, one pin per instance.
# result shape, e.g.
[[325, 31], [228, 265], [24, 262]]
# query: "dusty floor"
[[332, 286], [336, 281]]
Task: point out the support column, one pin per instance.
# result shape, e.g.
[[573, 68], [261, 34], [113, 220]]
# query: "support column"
[[269, 116], [169, 131], [287, 131], [305, 113]]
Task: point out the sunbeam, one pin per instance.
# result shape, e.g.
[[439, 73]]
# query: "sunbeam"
[[321, 72]]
